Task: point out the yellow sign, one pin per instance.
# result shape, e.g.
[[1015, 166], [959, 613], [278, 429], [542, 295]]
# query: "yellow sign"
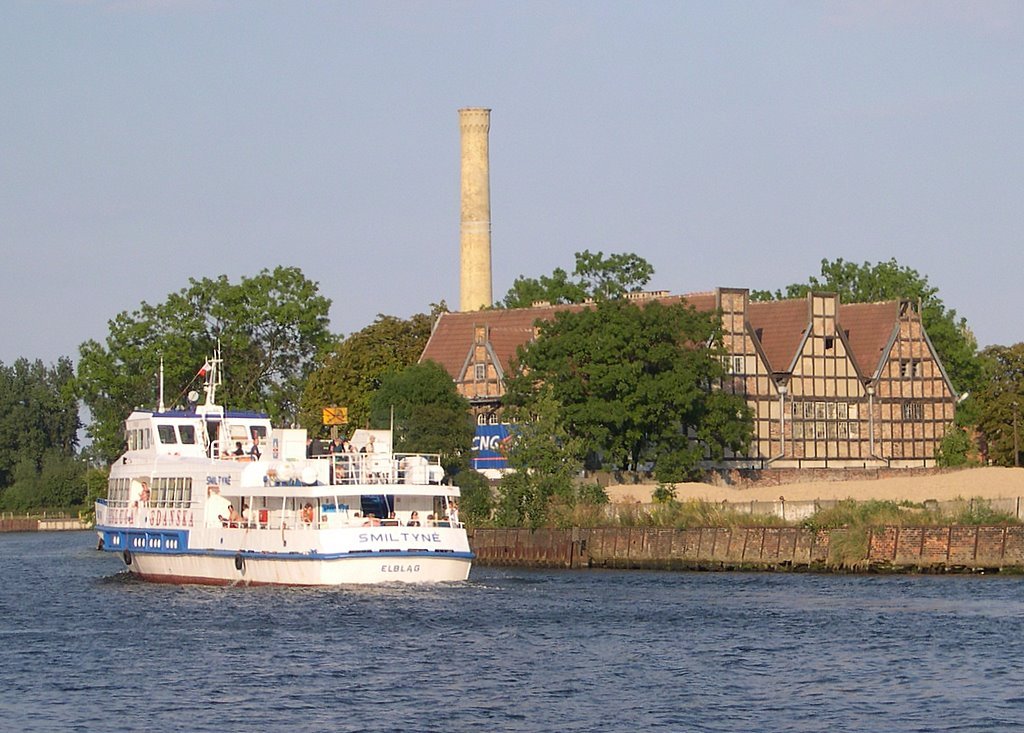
[[335, 415]]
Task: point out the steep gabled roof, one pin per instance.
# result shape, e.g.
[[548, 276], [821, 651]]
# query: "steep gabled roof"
[[452, 336], [869, 329], [780, 326]]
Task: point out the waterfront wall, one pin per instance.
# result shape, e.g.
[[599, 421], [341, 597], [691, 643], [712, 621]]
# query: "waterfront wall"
[[924, 549], [794, 511], [12, 523]]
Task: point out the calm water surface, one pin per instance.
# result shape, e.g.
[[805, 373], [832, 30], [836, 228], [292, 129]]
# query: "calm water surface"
[[84, 648]]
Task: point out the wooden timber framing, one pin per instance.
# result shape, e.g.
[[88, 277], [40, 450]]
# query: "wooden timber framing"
[[830, 385]]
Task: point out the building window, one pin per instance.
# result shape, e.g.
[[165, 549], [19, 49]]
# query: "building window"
[[910, 368], [481, 419], [913, 411], [480, 370], [822, 420], [493, 419], [737, 365]]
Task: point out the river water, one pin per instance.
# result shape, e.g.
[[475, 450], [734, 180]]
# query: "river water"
[[85, 648]]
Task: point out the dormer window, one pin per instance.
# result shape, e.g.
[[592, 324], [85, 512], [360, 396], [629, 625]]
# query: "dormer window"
[[480, 372]]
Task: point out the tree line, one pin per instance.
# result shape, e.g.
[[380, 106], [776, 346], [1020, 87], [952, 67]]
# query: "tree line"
[[613, 385]]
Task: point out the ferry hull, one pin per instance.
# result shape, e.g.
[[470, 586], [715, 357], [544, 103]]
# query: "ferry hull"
[[240, 569]]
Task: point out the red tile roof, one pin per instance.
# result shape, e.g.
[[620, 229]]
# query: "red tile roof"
[[779, 325], [869, 328]]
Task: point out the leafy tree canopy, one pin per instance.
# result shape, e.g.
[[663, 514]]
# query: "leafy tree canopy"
[[545, 458], [429, 414], [635, 384], [356, 367], [270, 329], [866, 283], [38, 418], [595, 276], [1000, 403]]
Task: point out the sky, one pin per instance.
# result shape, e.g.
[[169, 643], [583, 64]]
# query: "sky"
[[730, 144]]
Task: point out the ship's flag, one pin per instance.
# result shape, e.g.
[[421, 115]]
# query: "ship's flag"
[[203, 369]]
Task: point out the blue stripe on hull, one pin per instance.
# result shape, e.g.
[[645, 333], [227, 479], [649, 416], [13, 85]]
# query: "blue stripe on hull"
[[175, 542]]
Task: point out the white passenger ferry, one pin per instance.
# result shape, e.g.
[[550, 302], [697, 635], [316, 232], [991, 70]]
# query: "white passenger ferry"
[[211, 496]]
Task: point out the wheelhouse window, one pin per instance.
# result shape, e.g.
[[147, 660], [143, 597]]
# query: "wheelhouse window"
[[187, 434], [167, 434]]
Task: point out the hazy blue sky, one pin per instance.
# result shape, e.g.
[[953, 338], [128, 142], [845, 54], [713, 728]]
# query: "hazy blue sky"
[[728, 143]]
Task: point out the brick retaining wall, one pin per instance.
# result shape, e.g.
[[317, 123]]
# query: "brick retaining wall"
[[925, 549]]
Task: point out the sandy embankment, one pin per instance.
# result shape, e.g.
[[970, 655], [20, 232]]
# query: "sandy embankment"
[[988, 483]]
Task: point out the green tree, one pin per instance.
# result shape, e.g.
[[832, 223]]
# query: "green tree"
[[1000, 403], [634, 383], [56, 482], [953, 340], [956, 449], [429, 414], [356, 367], [476, 502], [38, 418], [595, 276], [270, 329], [544, 457]]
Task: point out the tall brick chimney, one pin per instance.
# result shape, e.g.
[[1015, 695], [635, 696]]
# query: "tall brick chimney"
[[475, 230]]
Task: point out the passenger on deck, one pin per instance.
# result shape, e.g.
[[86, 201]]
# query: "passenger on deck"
[[414, 519], [233, 519], [371, 521], [307, 513], [239, 450], [254, 451]]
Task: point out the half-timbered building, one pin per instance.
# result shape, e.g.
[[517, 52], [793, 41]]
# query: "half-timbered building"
[[831, 385]]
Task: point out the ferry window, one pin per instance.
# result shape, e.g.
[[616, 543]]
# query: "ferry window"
[[188, 434], [166, 433], [146, 438], [261, 431]]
